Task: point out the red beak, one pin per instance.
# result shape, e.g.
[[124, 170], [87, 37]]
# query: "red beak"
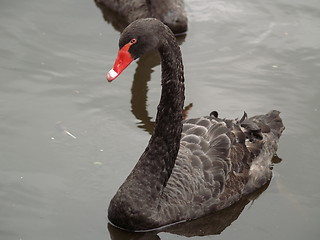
[[123, 60]]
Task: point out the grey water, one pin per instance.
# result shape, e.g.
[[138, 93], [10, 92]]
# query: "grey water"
[[68, 139]]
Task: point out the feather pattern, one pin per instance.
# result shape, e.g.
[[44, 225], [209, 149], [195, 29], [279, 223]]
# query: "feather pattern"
[[217, 159]]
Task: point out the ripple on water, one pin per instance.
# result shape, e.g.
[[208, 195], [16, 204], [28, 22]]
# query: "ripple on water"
[[201, 11]]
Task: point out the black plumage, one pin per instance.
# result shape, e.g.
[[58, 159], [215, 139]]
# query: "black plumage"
[[170, 12], [194, 167]]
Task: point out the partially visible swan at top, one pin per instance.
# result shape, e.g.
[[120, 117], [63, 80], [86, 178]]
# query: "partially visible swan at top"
[[170, 12], [189, 168]]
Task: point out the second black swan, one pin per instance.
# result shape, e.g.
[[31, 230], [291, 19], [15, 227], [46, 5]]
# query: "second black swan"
[[170, 12], [189, 168]]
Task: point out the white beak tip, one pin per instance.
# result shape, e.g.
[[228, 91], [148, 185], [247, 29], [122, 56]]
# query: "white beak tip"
[[112, 74]]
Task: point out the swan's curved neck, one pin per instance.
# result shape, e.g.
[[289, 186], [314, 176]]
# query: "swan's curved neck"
[[155, 165], [159, 157], [165, 141], [140, 194]]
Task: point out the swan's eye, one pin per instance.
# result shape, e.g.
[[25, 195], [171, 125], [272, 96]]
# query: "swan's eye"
[[133, 41]]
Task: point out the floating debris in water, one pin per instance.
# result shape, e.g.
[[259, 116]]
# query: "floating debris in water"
[[70, 134], [62, 128]]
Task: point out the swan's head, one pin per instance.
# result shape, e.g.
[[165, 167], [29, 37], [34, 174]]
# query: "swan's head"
[[140, 37]]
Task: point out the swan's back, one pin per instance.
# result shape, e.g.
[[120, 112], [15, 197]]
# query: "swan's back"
[[219, 161], [171, 12]]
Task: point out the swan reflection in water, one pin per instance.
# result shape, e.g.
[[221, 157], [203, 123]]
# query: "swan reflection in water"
[[213, 224], [139, 91]]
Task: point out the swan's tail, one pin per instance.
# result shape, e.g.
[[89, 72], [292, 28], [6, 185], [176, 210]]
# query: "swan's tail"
[[270, 122], [269, 128]]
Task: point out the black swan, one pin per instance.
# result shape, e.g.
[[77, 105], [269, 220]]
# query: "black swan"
[[194, 167], [170, 12]]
